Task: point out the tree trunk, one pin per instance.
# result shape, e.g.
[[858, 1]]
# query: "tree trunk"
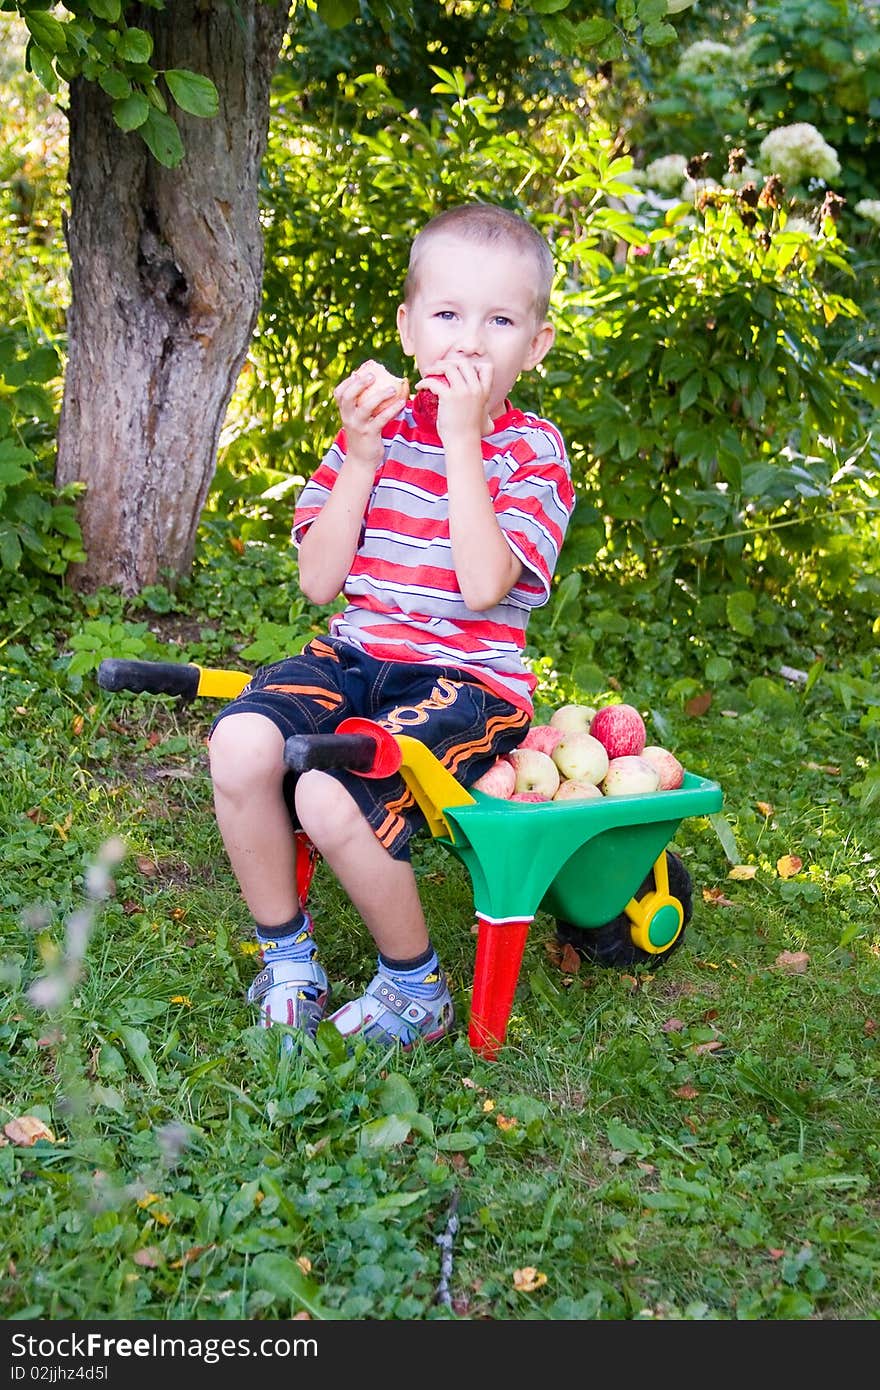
[[166, 272]]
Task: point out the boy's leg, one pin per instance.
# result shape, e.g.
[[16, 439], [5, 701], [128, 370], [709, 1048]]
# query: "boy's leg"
[[254, 818], [408, 1000]]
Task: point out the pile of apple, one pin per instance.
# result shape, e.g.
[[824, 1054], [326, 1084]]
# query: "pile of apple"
[[582, 753]]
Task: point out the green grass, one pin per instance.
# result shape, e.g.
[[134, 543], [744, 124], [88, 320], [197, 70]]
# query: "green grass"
[[695, 1143]]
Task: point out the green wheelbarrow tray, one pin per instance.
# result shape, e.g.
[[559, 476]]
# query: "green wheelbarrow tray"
[[584, 861], [580, 860]]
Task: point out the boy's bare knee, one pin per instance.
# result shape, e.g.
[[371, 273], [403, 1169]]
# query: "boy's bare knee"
[[246, 750], [325, 810]]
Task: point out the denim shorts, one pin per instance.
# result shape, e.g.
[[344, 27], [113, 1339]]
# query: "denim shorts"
[[465, 725]]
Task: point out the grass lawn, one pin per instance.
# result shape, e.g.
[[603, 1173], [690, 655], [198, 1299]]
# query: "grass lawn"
[[698, 1142]]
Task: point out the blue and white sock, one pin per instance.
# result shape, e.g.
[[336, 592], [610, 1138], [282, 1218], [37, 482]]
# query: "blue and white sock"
[[293, 940], [419, 978]]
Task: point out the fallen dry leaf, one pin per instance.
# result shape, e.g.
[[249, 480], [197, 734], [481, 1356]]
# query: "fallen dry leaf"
[[716, 897], [698, 705], [823, 767], [672, 1025], [869, 1028], [76, 725], [570, 962], [528, 1279], [505, 1122], [304, 1263], [146, 867], [789, 865], [699, 1048], [764, 807], [686, 1092], [26, 1130], [793, 962], [742, 871]]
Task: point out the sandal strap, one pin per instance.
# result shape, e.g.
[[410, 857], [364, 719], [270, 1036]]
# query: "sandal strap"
[[287, 972]]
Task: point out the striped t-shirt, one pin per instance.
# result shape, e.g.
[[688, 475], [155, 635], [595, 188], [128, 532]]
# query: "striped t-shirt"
[[403, 601]]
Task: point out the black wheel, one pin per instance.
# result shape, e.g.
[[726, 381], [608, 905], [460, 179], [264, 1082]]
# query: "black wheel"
[[612, 943]]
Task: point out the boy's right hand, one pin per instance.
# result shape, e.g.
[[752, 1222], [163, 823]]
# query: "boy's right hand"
[[367, 400]]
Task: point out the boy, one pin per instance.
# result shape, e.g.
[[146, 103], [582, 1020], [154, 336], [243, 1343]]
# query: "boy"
[[441, 537]]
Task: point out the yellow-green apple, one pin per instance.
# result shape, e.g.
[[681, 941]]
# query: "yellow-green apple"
[[544, 737], [572, 790], [498, 781], [581, 757], [668, 767], [630, 775], [535, 771], [573, 718], [620, 729]]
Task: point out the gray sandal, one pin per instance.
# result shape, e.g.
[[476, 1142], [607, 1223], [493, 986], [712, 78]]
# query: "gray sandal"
[[384, 1014], [295, 992]]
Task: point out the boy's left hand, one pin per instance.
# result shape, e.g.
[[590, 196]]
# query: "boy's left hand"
[[463, 387]]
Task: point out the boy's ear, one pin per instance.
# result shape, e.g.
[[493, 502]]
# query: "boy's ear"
[[403, 329], [540, 346]]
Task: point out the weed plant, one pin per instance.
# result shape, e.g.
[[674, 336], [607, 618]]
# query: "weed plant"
[[694, 1143]]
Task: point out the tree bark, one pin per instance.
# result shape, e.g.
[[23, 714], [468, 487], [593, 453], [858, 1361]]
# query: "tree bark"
[[166, 274]]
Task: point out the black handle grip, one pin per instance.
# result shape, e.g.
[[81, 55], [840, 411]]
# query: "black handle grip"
[[303, 752], [149, 677]]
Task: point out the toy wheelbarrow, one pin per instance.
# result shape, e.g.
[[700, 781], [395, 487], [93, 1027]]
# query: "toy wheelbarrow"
[[600, 866]]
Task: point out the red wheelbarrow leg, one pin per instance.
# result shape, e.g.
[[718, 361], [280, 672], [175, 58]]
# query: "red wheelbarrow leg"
[[306, 860], [500, 945]]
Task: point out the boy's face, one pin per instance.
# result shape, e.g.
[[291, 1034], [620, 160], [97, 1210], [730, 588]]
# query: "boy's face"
[[475, 301]]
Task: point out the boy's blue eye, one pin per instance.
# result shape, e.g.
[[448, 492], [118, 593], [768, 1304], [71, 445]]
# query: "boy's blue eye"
[[503, 320], [444, 314]]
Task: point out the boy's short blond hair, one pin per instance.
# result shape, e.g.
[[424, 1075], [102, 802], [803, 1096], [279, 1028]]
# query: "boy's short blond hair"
[[486, 223]]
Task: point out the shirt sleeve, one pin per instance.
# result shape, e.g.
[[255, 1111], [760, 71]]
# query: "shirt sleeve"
[[316, 491], [533, 507]]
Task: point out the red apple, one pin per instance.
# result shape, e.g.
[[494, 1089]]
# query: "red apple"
[[530, 796], [535, 771], [670, 770], [620, 729], [581, 757], [543, 737], [572, 790], [630, 775], [573, 718], [498, 781]]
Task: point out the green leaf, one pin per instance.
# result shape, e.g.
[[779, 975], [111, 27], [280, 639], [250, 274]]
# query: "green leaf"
[[337, 13], [740, 607], [47, 32], [278, 1274], [115, 84], [722, 829], [135, 46], [192, 92], [459, 1142], [549, 6], [162, 138], [106, 9], [384, 1133], [131, 112], [41, 66], [396, 1095], [137, 1046]]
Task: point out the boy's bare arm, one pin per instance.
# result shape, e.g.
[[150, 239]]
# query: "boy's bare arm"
[[367, 400], [485, 565]]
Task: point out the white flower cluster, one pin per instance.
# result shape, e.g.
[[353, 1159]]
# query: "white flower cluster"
[[704, 58], [667, 173], [798, 152], [869, 208]]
